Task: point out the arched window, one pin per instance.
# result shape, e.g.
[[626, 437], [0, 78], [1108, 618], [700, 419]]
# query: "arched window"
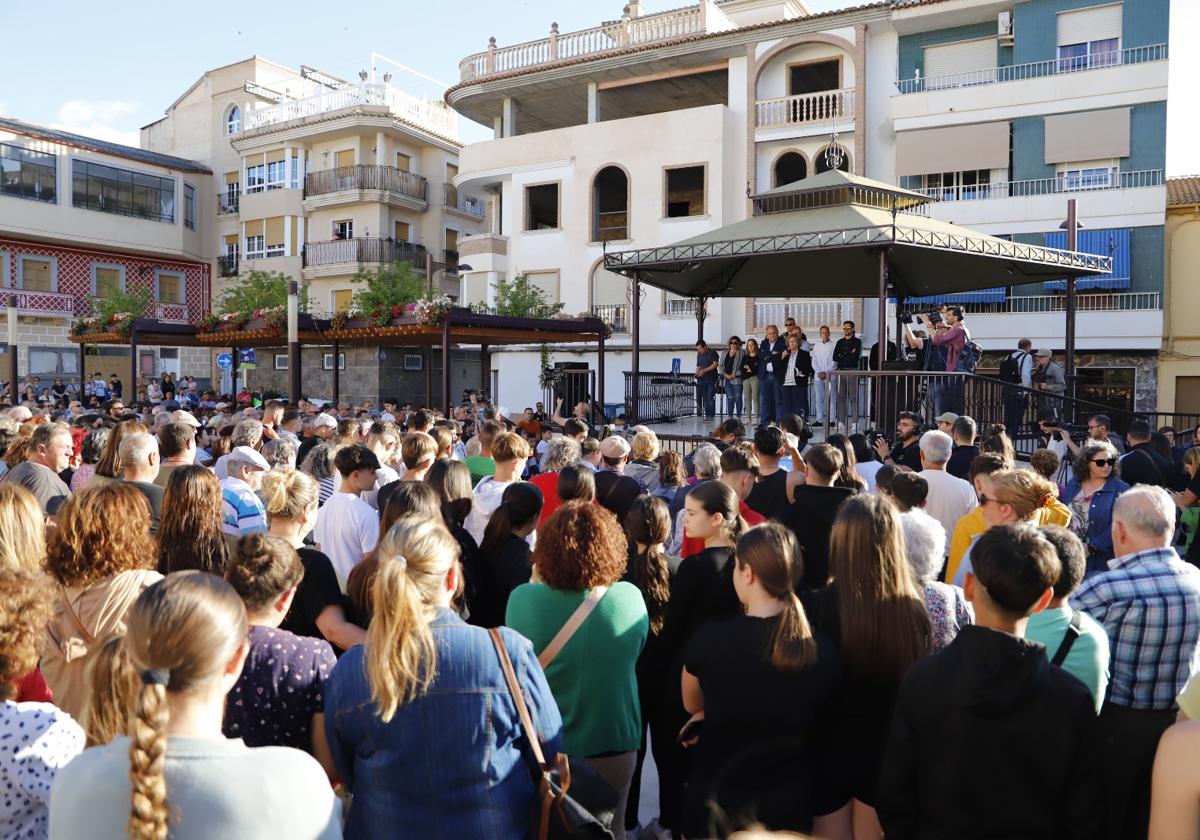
[[836, 151], [790, 167], [610, 205], [233, 120]]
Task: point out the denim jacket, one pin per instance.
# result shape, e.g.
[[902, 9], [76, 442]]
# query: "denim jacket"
[[1099, 534], [450, 764]]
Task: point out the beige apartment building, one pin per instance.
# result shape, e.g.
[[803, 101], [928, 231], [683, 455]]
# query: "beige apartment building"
[[317, 177]]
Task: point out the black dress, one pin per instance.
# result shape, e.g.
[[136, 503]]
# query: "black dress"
[[810, 517], [317, 590], [755, 758], [508, 566]]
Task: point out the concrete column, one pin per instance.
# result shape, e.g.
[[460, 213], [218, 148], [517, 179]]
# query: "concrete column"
[[593, 103], [510, 117], [380, 148], [497, 127]]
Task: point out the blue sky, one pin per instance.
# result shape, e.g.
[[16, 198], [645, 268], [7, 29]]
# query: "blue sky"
[[115, 69]]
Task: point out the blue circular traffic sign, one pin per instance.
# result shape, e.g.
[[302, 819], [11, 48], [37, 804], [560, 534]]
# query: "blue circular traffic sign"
[[224, 361]]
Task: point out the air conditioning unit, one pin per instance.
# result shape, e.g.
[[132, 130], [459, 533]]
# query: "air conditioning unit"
[[1004, 27]]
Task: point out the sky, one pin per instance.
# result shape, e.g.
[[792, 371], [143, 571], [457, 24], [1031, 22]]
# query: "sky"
[[116, 67]]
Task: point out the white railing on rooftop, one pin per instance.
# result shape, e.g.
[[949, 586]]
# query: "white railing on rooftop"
[[1046, 186], [804, 108], [431, 115], [1034, 69], [627, 32]]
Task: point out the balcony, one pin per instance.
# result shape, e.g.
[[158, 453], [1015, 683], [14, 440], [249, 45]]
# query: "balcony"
[[615, 315], [44, 304], [432, 116], [702, 18], [171, 313], [228, 266], [465, 204], [805, 109], [1033, 69], [345, 256], [227, 203], [361, 182], [1045, 186], [809, 314]]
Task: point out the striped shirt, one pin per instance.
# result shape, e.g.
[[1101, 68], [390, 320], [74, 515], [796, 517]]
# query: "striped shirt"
[[1149, 604], [241, 509]]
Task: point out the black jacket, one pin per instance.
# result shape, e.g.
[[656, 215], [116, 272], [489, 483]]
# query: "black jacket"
[[772, 353], [804, 368], [1142, 465], [847, 353], [991, 741], [810, 518]]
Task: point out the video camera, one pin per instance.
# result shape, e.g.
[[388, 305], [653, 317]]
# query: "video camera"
[[935, 317]]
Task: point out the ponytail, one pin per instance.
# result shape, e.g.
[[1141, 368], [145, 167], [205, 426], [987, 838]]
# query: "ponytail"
[[774, 556], [498, 528], [147, 757], [413, 560], [520, 506], [793, 647], [648, 522]]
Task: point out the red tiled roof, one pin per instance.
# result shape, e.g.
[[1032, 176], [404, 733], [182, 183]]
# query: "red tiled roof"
[[1183, 191]]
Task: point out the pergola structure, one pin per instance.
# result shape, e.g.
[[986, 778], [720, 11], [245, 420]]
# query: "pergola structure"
[[457, 327], [837, 234]]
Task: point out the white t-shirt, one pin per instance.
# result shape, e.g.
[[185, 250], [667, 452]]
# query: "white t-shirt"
[[347, 528], [383, 475], [949, 499], [39, 740], [867, 471]]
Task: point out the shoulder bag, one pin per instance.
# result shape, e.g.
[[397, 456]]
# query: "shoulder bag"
[[572, 802]]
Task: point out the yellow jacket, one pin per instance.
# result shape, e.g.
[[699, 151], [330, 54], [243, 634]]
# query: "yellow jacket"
[[971, 525]]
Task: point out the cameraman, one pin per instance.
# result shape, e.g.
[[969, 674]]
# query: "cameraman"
[[907, 451], [952, 335], [1053, 436]]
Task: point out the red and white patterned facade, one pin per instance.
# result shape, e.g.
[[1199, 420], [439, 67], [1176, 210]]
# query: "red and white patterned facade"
[[73, 273]]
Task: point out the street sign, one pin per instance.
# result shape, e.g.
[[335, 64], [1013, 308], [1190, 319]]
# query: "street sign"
[[224, 361], [246, 358], [676, 363]]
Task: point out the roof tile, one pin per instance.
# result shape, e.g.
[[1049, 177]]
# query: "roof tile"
[[1183, 191]]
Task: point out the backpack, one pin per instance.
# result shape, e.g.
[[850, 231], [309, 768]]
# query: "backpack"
[[968, 357], [1010, 367]]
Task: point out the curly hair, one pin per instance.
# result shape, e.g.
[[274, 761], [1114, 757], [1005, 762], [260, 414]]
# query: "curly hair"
[[25, 609], [103, 530], [1089, 450], [580, 547]]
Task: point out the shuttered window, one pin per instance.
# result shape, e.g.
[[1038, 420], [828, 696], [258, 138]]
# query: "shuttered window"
[[342, 298], [345, 158], [1095, 23], [961, 63]]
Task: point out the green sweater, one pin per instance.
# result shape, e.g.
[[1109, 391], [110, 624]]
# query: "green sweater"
[[592, 677]]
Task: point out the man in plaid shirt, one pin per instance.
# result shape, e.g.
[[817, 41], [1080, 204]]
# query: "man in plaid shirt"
[[1149, 603]]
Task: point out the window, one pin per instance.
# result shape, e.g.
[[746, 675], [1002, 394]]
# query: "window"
[[403, 231], [276, 234], [343, 299], [610, 202], [256, 178], [168, 286], [107, 278], [277, 175], [1087, 177], [344, 158], [678, 305], [789, 168], [546, 282], [229, 198], [297, 173], [327, 361], [814, 76], [830, 155], [25, 173], [1084, 56], [189, 206], [255, 247], [37, 274], [959, 186], [233, 120], [414, 361], [684, 195], [280, 361], [343, 229], [111, 190], [403, 162], [541, 207], [57, 361]]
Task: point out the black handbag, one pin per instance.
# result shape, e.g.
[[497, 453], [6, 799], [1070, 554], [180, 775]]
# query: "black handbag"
[[573, 802]]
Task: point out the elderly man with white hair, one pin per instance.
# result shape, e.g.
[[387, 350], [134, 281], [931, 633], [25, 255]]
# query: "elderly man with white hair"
[[950, 498], [247, 432], [1149, 603], [925, 545], [139, 466]]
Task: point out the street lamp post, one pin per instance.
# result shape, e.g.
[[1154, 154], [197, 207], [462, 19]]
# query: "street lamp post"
[[293, 337], [12, 347]]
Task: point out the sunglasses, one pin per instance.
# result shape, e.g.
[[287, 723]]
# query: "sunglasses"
[[1105, 462], [984, 499]]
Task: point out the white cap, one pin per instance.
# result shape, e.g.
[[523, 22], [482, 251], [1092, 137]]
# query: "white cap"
[[20, 413], [246, 455], [181, 416], [324, 419]]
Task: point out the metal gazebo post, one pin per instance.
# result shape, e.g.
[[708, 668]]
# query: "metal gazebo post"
[[12, 351], [600, 370], [635, 327], [882, 325], [293, 337], [337, 374], [1072, 237], [446, 365]]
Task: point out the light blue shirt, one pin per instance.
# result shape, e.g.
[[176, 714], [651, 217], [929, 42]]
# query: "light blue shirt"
[[1088, 657]]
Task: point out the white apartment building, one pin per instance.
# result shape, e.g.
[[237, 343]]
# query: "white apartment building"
[[655, 127], [317, 177]]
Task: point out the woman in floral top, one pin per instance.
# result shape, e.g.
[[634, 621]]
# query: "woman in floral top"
[[925, 545]]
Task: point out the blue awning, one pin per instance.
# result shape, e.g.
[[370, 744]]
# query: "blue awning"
[[996, 295], [1112, 243]]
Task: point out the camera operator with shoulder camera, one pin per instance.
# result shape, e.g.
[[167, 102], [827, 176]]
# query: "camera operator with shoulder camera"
[[907, 451], [952, 335]]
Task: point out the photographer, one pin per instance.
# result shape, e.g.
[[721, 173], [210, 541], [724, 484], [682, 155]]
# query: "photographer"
[[952, 335], [930, 358], [907, 451]]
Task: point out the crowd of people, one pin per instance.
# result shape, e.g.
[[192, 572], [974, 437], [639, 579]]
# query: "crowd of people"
[[288, 621]]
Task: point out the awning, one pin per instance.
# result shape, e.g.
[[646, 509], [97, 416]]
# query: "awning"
[[1113, 244], [996, 295]]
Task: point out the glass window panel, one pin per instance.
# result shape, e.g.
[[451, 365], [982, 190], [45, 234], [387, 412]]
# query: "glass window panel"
[[108, 281], [169, 288], [35, 275]]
